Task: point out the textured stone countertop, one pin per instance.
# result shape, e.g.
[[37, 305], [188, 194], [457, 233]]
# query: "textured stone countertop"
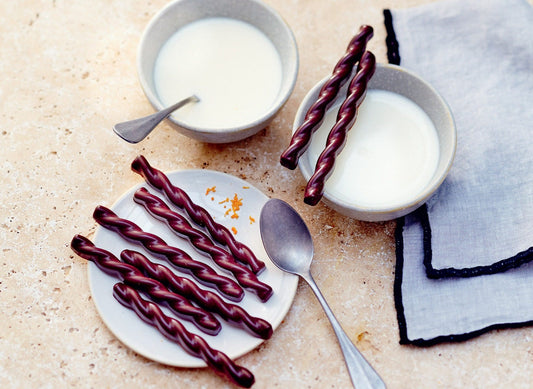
[[68, 74]]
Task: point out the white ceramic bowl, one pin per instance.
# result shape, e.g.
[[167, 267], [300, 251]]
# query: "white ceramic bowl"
[[399, 80], [181, 12]]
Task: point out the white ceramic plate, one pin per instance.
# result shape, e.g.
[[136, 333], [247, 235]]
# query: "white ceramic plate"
[[145, 339]]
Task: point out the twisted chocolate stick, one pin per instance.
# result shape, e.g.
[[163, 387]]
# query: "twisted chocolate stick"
[[337, 136], [206, 299], [176, 332], [316, 113], [202, 272], [199, 215], [245, 277], [132, 276]]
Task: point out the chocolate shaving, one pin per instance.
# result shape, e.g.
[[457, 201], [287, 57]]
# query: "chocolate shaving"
[[316, 113], [199, 215], [337, 136]]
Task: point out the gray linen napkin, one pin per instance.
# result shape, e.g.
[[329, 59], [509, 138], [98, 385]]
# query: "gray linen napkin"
[[463, 258]]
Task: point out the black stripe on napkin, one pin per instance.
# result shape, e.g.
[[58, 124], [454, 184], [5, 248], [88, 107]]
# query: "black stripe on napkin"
[[497, 267], [393, 48], [398, 278]]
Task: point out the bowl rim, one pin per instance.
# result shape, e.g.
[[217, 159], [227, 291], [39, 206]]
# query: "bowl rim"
[[286, 88], [381, 213]]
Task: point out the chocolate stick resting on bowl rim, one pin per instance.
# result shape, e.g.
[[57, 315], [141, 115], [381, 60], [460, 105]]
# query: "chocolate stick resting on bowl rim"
[[158, 180], [176, 332], [316, 113], [337, 136]]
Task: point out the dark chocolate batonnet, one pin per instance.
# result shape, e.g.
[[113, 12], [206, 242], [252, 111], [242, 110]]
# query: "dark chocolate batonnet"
[[206, 299], [315, 114], [176, 332], [136, 264], [178, 258], [176, 222], [199, 215], [337, 136], [130, 275]]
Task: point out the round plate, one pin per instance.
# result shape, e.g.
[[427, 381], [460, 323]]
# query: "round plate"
[[233, 341]]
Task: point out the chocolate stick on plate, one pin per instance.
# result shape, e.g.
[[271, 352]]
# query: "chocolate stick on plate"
[[337, 136], [206, 299], [176, 332], [133, 277], [179, 258], [199, 215], [316, 113], [177, 223]]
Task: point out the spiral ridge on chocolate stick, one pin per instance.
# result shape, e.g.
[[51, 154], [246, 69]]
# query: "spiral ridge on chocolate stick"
[[132, 276], [244, 276], [337, 136], [179, 258], [176, 332], [199, 215], [316, 113], [206, 299]]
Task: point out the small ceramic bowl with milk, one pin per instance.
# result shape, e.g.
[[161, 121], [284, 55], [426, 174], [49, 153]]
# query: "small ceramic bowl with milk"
[[396, 155], [237, 56]]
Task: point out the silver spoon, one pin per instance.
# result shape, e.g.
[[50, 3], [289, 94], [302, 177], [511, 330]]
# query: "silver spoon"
[[136, 130], [289, 245]]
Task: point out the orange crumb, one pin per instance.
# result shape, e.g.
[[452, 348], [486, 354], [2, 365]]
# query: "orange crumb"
[[224, 201], [252, 220], [245, 187], [234, 230], [236, 203], [209, 190], [212, 199]]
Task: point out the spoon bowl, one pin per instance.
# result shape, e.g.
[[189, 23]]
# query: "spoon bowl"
[[289, 246]]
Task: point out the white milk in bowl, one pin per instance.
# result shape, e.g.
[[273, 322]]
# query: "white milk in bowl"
[[390, 155], [229, 64]]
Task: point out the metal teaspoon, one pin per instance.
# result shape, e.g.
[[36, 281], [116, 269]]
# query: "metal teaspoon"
[[136, 130], [289, 245]]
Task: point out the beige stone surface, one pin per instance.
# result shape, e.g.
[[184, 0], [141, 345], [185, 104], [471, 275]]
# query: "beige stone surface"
[[67, 75]]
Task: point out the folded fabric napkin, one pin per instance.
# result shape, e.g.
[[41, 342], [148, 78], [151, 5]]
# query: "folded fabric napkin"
[[463, 258]]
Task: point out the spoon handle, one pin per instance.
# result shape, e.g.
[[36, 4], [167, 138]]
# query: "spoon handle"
[[362, 374], [136, 130]]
